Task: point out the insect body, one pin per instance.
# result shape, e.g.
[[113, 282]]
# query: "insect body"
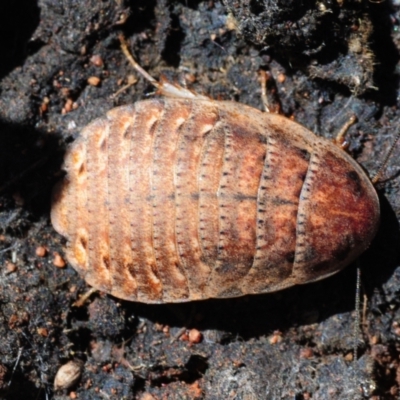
[[179, 199]]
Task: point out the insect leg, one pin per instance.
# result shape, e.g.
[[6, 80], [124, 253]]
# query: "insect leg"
[[340, 139]]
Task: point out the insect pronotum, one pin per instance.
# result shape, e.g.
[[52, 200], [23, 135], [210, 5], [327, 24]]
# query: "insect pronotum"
[[183, 198]]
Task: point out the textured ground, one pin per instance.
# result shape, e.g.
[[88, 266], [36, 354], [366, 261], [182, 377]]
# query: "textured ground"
[[330, 59]]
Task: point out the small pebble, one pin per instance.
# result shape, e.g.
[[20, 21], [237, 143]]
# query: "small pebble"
[[97, 60], [275, 338], [195, 336], [281, 78], [67, 106], [306, 353], [348, 357], [94, 81], [58, 261], [42, 332], [374, 339], [41, 251], [45, 105], [11, 267]]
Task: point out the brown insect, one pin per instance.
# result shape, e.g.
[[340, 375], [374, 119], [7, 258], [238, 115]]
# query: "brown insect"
[[184, 198]]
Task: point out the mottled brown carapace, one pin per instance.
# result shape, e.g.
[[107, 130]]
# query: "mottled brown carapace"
[[171, 200]]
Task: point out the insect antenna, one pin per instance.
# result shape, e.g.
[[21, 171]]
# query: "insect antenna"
[[165, 88], [378, 175], [128, 55]]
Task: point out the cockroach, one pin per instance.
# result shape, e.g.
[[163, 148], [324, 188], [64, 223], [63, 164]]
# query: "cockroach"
[[184, 198]]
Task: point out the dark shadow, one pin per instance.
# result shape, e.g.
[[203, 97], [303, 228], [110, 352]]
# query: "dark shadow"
[[257, 315], [18, 21], [172, 46], [26, 390], [29, 162], [141, 17], [193, 370], [169, 34], [384, 255]]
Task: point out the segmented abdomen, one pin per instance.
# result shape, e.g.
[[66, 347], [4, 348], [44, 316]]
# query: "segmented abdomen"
[[172, 200]]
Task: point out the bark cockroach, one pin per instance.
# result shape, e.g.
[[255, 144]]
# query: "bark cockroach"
[[183, 198]]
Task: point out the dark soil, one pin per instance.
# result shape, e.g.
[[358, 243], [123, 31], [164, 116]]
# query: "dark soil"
[[329, 59]]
